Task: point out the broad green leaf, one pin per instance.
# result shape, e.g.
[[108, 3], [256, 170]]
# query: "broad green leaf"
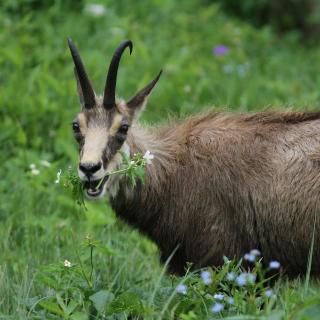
[[126, 302], [79, 316], [101, 299], [52, 307]]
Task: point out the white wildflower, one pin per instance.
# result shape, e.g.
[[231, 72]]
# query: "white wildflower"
[[218, 296], [132, 162], [148, 156], [35, 172], [206, 277], [32, 166], [217, 307], [95, 9], [67, 264], [58, 176], [181, 288], [274, 265], [45, 163]]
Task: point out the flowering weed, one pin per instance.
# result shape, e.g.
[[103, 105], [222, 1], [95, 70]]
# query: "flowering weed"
[[75, 290]]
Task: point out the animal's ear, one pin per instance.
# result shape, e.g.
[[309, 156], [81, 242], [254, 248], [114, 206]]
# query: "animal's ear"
[[138, 102]]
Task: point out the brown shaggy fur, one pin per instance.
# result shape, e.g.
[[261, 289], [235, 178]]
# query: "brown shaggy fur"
[[222, 184]]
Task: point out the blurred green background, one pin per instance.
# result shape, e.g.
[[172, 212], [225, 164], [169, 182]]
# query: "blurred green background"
[[271, 58]]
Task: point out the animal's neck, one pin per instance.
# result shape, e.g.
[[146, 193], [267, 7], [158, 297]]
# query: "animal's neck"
[[142, 206]]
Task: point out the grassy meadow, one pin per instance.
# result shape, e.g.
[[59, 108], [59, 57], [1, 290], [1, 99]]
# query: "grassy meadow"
[[115, 271]]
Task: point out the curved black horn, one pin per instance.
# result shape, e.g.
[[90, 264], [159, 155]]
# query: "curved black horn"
[[109, 98], [87, 91]]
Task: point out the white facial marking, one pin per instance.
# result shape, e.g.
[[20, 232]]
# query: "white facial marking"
[[95, 142]]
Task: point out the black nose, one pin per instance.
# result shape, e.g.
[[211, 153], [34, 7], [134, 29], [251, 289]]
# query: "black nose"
[[89, 168]]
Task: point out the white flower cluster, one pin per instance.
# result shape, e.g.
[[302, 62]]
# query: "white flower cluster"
[[35, 171], [67, 264], [148, 156]]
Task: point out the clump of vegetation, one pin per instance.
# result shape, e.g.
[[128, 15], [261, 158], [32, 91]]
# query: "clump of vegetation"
[[76, 291]]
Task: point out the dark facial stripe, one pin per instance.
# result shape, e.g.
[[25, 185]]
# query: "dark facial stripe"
[[113, 145]]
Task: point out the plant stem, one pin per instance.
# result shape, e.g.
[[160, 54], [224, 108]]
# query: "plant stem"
[[121, 171], [91, 262]]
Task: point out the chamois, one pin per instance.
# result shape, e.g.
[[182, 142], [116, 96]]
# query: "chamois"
[[219, 184]]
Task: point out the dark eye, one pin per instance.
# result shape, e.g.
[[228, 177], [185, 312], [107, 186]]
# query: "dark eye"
[[75, 127], [124, 128]]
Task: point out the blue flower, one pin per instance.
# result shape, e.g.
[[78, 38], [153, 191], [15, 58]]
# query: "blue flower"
[[241, 280], [217, 307], [206, 277], [231, 276], [269, 293], [218, 296], [230, 300], [182, 288], [249, 257], [245, 278], [274, 264]]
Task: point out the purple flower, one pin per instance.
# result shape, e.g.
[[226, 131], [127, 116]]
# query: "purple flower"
[[220, 50]]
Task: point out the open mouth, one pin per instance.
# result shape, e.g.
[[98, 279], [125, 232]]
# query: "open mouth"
[[94, 188]]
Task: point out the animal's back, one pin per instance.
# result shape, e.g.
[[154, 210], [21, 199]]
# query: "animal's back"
[[243, 182]]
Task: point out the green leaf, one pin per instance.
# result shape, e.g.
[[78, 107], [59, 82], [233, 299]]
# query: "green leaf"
[[61, 303], [51, 282], [79, 316], [72, 305], [52, 307], [100, 300], [126, 302]]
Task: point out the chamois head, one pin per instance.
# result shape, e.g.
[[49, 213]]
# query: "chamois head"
[[103, 123]]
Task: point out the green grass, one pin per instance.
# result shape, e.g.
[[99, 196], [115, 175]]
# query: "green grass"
[[39, 222]]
